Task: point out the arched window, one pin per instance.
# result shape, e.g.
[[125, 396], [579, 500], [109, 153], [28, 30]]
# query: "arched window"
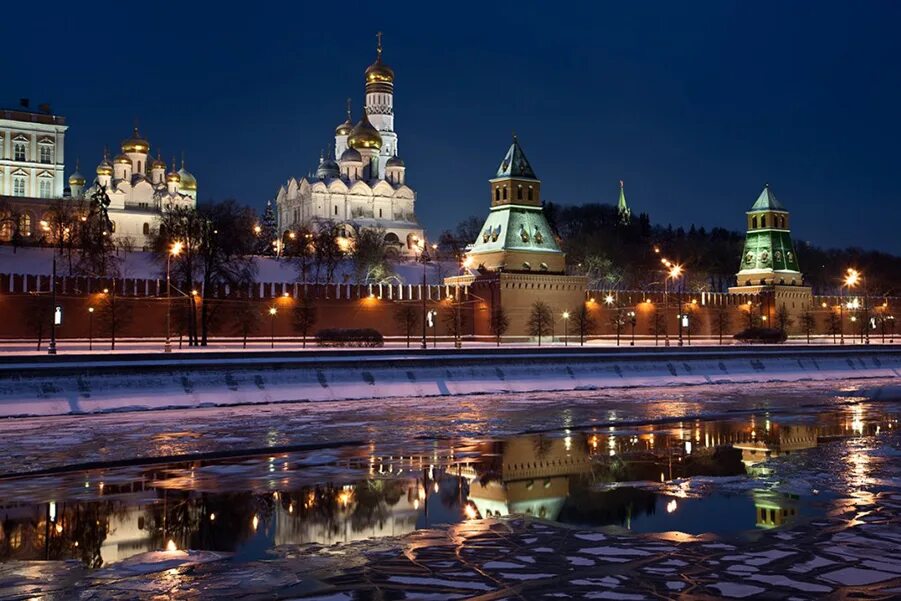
[[518, 192], [497, 194], [530, 192], [754, 222], [146, 229], [763, 221], [505, 192], [25, 221]]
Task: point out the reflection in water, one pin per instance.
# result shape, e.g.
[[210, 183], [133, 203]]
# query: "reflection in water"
[[250, 505]]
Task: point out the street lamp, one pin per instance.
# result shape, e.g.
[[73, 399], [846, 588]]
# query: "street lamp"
[[424, 259], [174, 251], [565, 329], [674, 272], [850, 280], [90, 328], [632, 320], [272, 312], [51, 350]]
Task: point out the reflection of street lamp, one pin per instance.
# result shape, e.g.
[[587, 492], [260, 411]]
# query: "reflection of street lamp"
[[565, 331], [90, 328], [272, 313], [174, 251]]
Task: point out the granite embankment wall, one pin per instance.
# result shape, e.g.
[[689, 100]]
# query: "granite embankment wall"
[[80, 384]]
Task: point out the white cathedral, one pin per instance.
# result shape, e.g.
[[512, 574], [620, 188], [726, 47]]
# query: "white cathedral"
[[139, 188], [365, 188]]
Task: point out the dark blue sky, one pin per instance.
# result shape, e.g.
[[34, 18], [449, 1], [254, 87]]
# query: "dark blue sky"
[[695, 105]]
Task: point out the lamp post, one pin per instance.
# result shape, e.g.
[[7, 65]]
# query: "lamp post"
[[424, 259], [850, 281], [272, 312], [51, 350], [675, 271], [174, 251], [90, 328], [632, 321], [565, 329]]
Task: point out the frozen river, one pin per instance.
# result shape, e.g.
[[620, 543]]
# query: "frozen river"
[[523, 494]]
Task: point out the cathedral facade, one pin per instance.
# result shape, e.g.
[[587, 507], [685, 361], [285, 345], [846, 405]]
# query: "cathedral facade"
[[140, 189], [361, 184]]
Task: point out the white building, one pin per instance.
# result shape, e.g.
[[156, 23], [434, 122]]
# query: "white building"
[[31, 152], [139, 188], [362, 184]]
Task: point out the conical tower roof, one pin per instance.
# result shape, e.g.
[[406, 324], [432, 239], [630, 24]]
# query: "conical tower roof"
[[767, 201], [515, 163]]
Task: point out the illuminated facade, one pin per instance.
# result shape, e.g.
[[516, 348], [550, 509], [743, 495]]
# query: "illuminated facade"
[[139, 188], [32, 161], [360, 183]]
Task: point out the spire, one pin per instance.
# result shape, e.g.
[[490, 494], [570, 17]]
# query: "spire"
[[379, 48], [767, 201], [348, 111], [182, 159], [515, 163], [621, 206]]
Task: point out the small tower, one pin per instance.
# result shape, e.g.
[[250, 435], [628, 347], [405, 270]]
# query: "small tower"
[[173, 180], [104, 170], [137, 149], [365, 139], [622, 209], [769, 265], [188, 183], [341, 133], [158, 171], [380, 107]]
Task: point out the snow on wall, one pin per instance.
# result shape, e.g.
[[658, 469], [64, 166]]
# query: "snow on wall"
[[173, 385]]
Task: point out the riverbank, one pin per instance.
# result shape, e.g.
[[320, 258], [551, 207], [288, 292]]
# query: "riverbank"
[[75, 383]]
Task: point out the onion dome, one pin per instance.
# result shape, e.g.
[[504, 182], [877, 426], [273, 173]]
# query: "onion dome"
[[351, 154], [364, 135], [122, 160], [105, 167], [188, 182], [395, 161], [173, 177], [158, 163], [379, 77], [136, 143], [327, 169], [76, 179]]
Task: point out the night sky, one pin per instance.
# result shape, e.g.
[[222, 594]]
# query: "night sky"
[[695, 105]]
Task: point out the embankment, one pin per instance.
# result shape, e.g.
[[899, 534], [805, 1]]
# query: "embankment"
[[80, 384]]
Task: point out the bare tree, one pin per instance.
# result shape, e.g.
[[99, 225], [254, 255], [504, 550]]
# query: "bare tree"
[[783, 321], [499, 323], [585, 323], [38, 315], [808, 322], [722, 321], [114, 314], [304, 317], [248, 317], [540, 320], [618, 321], [407, 317], [658, 325], [835, 325]]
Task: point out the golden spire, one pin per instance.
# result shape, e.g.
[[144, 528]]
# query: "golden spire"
[[379, 47], [348, 109]]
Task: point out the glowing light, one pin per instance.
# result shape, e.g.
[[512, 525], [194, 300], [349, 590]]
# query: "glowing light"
[[470, 512], [852, 278], [671, 506], [415, 503], [272, 310], [566, 315], [344, 497], [609, 299], [59, 528], [257, 229], [255, 522], [675, 271], [193, 293], [175, 249], [90, 309], [688, 447], [212, 517], [467, 262], [171, 546], [436, 487]]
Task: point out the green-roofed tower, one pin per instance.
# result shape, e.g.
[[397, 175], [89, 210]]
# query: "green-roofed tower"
[[516, 236], [625, 213], [769, 269], [769, 256]]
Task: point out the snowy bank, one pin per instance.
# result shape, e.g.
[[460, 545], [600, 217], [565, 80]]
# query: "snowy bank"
[[84, 384]]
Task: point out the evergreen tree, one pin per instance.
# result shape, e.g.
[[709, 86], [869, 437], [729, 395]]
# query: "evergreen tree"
[[268, 233]]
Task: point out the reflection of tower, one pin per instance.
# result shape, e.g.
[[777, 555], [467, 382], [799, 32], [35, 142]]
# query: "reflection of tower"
[[782, 441], [533, 478], [772, 509]]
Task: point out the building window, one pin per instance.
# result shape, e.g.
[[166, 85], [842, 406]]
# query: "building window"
[[505, 192], [497, 194], [753, 223], [25, 224], [146, 229], [763, 221], [19, 151], [518, 192], [336, 209], [530, 192], [46, 154], [44, 187], [380, 213], [18, 186]]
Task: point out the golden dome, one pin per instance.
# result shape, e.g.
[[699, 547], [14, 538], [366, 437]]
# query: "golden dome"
[[364, 135], [76, 179], [188, 182], [122, 160], [104, 168], [158, 163], [173, 177], [344, 128], [378, 73], [136, 143]]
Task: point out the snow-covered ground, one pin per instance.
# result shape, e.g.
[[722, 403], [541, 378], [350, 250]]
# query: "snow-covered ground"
[[143, 265]]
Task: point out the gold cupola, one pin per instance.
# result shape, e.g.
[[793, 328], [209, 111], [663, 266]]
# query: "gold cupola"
[[364, 135], [136, 143], [379, 76], [346, 127]]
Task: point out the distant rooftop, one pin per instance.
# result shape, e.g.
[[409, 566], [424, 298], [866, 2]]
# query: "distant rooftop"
[[24, 112]]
